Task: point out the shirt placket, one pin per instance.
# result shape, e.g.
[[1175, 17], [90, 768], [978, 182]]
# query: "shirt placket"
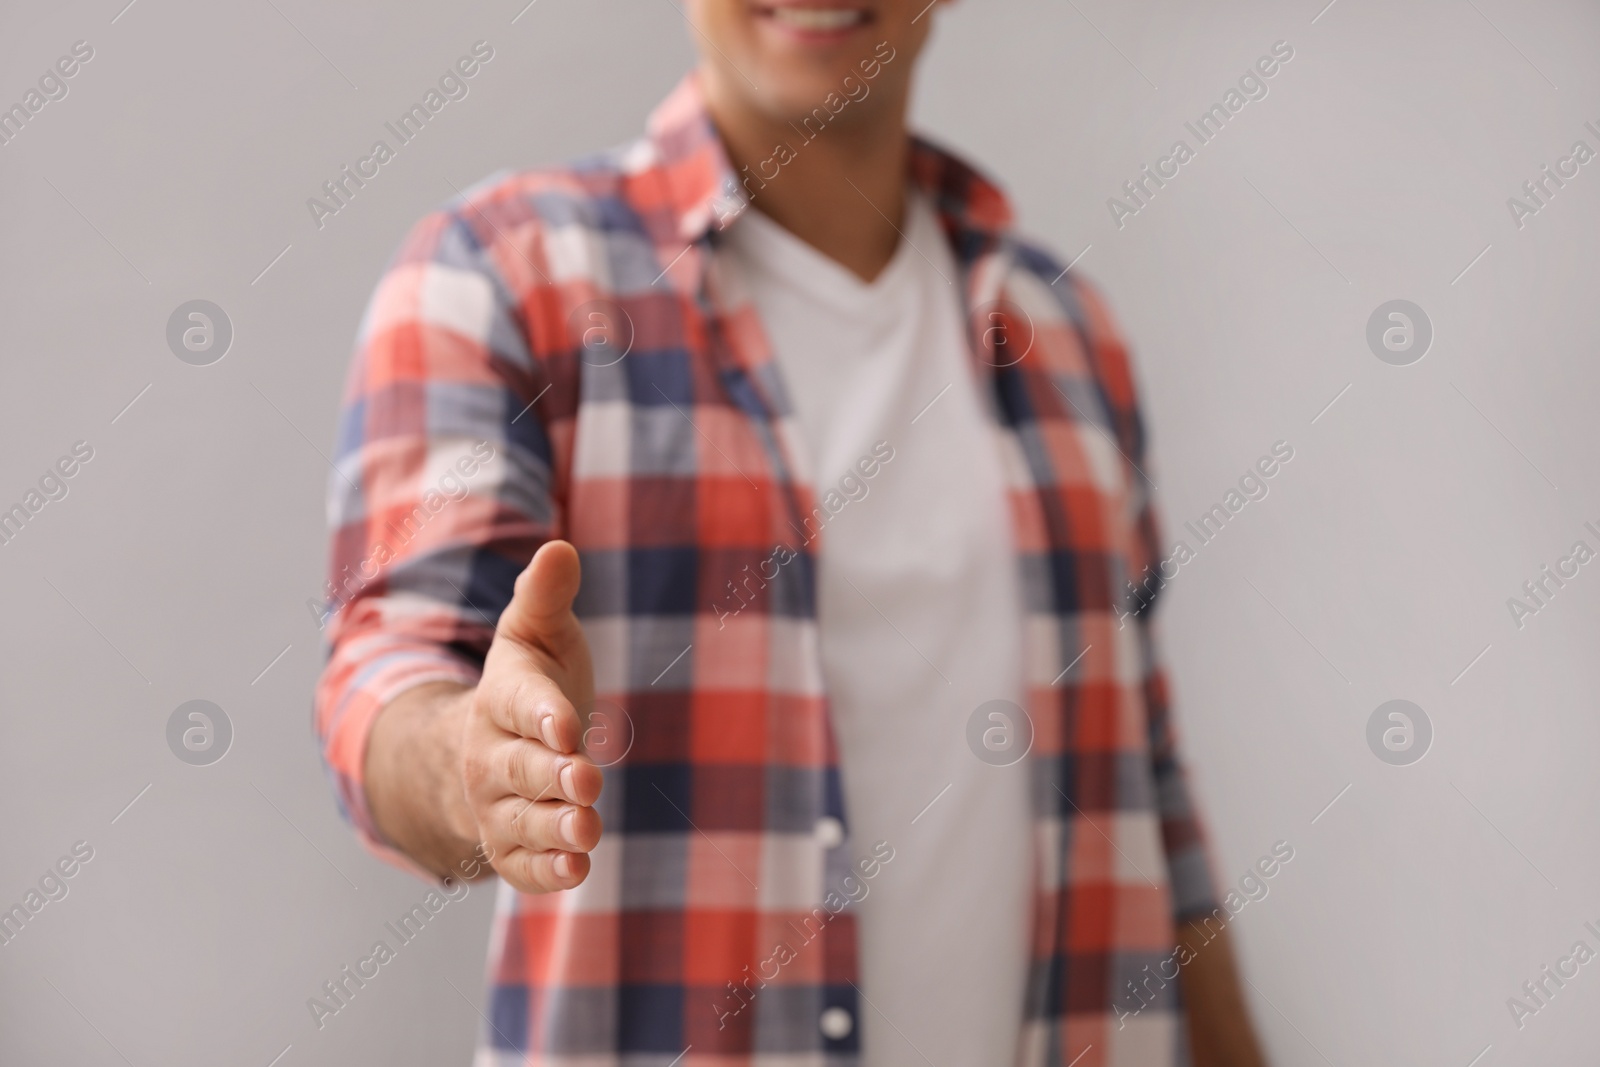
[[774, 428]]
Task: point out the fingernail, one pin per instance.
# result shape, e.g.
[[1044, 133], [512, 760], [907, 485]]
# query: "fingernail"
[[569, 780], [563, 865], [569, 822], [547, 729]]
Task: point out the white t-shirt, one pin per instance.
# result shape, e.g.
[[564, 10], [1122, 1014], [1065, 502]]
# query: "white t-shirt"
[[921, 622]]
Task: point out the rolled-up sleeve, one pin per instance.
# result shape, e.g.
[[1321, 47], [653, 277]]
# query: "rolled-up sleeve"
[[440, 494]]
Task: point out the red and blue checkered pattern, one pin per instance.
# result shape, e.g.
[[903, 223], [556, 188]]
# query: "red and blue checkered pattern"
[[672, 470]]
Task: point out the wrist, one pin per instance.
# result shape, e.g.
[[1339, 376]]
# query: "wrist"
[[413, 777], [445, 737]]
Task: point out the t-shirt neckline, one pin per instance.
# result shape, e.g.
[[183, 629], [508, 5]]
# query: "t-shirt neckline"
[[779, 251]]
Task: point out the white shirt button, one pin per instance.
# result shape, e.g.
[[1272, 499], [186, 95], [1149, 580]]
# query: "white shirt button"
[[829, 831], [836, 1023]]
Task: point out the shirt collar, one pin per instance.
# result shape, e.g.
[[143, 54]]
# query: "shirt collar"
[[703, 192]]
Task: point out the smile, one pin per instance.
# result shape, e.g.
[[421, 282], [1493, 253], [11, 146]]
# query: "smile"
[[810, 20]]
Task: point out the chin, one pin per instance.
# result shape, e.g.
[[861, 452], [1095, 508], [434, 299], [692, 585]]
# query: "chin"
[[795, 95], [801, 52], [804, 48]]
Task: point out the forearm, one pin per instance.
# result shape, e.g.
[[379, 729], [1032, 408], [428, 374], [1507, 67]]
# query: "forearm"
[[1220, 1034], [413, 779]]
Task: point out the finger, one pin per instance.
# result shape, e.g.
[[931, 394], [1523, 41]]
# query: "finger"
[[532, 771], [542, 872], [540, 612], [547, 824], [530, 704]]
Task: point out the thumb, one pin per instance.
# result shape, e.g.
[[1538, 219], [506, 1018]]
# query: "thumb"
[[540, 612]]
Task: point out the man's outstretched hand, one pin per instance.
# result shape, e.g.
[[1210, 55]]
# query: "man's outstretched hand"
[[529, 789], [459, 774]]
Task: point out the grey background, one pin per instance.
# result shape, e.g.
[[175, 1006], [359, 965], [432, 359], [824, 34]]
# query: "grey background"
[[1379, 566]]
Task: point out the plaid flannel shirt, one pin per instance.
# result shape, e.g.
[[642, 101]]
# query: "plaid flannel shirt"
[[484, 414]]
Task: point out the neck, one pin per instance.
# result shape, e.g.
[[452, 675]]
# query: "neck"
[[840, 188]]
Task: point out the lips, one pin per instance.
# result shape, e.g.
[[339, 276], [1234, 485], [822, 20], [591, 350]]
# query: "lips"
[[814, 22]]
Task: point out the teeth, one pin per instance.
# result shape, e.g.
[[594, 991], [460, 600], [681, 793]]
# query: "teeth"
[[811, 18]]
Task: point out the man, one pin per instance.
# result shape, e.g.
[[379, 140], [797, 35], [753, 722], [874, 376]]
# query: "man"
[[759, 474]]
